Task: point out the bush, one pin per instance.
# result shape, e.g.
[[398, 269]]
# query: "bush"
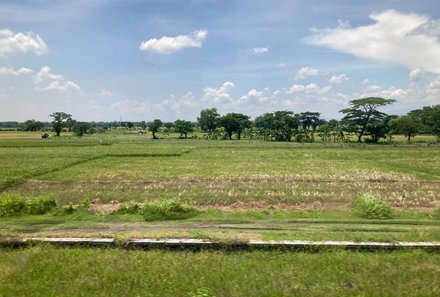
[[132, 208], [40, 205], [13, 204], [371, 207], [167, 210]]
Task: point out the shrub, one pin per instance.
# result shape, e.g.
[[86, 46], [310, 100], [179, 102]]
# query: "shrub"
[[167, 210], [13, 204], [132, 208], [371, 207], [40, 205]]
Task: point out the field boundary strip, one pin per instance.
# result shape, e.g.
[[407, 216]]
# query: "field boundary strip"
[[183, 243]]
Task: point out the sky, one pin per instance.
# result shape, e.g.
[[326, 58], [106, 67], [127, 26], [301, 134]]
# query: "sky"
[[111, 60]]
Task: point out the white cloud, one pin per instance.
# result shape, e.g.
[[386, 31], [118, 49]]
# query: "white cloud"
[[416, 74], [258, 50], [309, 89], [404, 38], [55, 81], [260, 96], [305, 72], [105, 93], [218, 95], [46, 73], [12, 71], [61, 86], [281, 65], [167, 45], [338, 79], [11, 42], [185, 103], [366, 81]]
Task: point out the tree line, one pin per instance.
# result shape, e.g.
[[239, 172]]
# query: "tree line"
[[362, 118]]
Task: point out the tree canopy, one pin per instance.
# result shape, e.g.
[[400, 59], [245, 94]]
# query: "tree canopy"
[[235, 123], [60, 120], [208, 119], [362, 112]]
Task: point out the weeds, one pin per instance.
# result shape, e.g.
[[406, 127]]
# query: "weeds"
[[371, 207], [13, 204], [132, 208], [167, 210]]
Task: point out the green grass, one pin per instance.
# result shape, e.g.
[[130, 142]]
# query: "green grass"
[[48, 271]]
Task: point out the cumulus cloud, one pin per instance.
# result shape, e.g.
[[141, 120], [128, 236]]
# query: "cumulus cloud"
[[258, 50], [12, 71], [338, 79], [53, 82], [309, 89], [407, 39], [218, 95], [11, 42], [260, 96], [168, 45], [61, 86], [185, 103], [305, 72]]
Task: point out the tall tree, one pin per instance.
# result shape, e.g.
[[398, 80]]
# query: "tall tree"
[[60, 120], [234, 123], [208, 119], [363, 111], [280, 125], [407, 125], [154, 127], [183, 127]]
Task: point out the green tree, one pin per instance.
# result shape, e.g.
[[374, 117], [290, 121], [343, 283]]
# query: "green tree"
[[154, 127], [280, 125], [234, 123], [81, 128], [363, 111], [429, 117], [31, 125], [60, 120], [183, 127], [208, 119], [309, 121], [406, 125]]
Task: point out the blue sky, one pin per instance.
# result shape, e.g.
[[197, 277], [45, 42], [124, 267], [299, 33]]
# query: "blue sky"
[[104, 60]]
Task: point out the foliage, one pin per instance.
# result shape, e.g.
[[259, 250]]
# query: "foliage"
[[81, 128], [371, 207], [406, 125], [234, 123], [183, 127], [13, 204], [154, 127], [208, 120], [362, 112], [429, 117], [31, 125], [131, 208], [60, 120], [280, 125], [167, 210]]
